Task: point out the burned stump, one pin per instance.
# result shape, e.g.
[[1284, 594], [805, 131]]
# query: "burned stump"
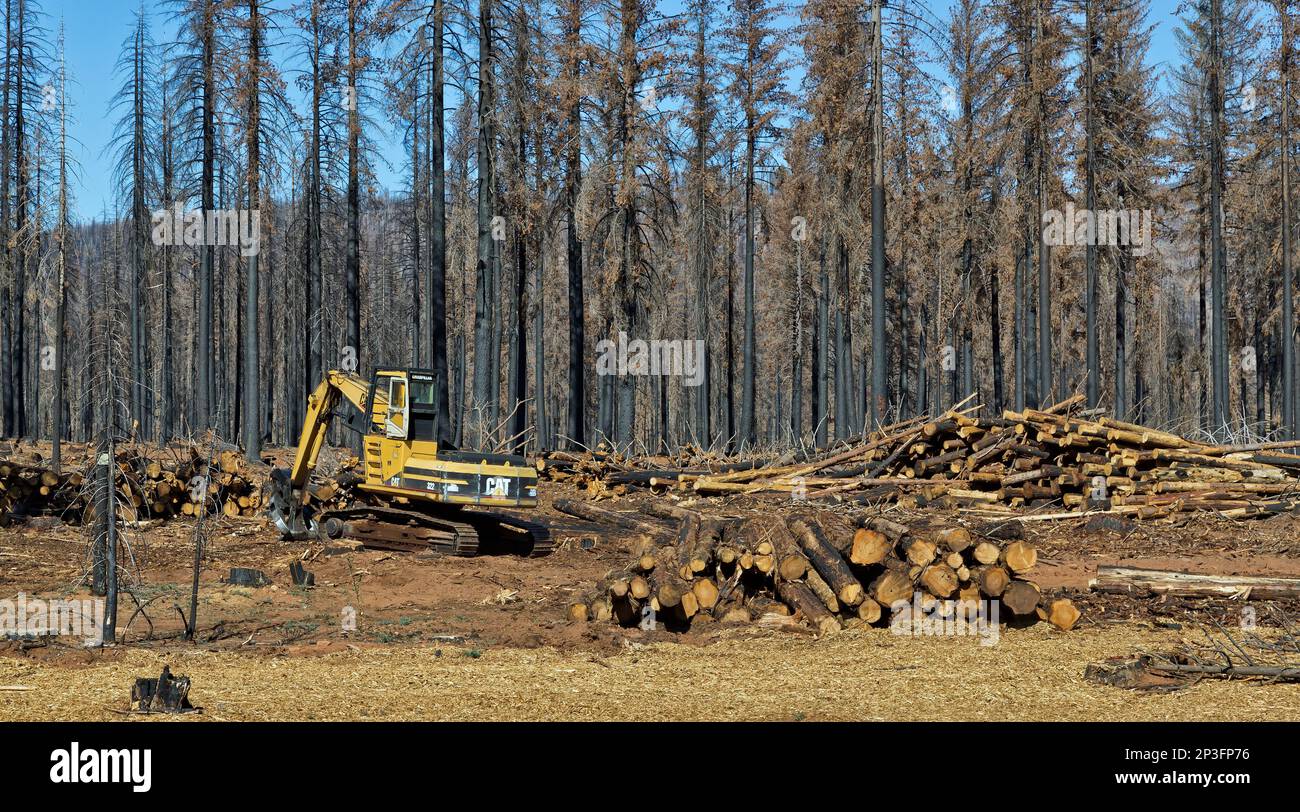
[[166, 694], [301, 577], [243, 576]]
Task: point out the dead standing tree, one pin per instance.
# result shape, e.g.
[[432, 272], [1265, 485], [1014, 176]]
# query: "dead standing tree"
[[58, 420], [106, 382]]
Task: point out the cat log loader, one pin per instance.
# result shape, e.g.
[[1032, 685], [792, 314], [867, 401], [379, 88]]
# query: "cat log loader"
[[417, 493]]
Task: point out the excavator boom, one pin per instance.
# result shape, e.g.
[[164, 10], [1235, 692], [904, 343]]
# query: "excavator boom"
[[335, 386]]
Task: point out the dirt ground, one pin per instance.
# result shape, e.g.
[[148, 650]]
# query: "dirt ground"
[[439, 637], [1032, 674]]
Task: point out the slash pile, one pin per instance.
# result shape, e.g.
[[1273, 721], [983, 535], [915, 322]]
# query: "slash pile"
[[603, 472], [1054, 459], [830, 570]]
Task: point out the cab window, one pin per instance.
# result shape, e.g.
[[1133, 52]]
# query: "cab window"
[[398, 410], [379, 404]]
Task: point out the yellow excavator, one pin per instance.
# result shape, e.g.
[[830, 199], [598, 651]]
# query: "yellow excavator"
[[416, 493]]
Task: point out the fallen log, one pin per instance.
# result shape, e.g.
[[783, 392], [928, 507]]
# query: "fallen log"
[[1019, 557], [599, 515], [891, 587], [801, 598], [791, 564], [869, 547], [986, 553], [939, 579], [918, 551], [955, 539], [1021, 597], [827, 561], [1063, 614], [822, 590], [706, 594], [993, 581], [1137, 580], [670, 590], [870, 611]]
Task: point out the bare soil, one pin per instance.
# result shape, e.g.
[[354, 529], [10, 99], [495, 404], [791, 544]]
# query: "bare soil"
[[439, 637]]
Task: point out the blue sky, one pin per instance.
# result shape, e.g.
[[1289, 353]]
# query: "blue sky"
[[96, 29]]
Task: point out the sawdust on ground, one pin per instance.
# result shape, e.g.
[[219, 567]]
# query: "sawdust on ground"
[[1031, 674]]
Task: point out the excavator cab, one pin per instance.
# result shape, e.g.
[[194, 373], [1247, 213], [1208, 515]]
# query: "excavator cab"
[[404, 406]]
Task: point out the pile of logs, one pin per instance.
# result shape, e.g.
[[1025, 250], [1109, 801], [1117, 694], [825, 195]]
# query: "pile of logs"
[[27, 489], [830, 570], [164, 488], [151, 484], [1058, 461]]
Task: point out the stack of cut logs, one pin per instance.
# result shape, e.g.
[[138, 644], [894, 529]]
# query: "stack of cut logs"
[[152, 484], [27, 489], [830, 570], [1055, 460], [164, 488]]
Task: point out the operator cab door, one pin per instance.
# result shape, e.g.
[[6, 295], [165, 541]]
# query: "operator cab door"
[[397, 419]]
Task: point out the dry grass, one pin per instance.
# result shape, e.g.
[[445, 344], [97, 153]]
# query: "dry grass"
[[1033, 674]]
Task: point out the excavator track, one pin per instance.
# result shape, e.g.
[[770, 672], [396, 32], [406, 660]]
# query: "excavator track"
[[454, 532], [527, 532], [388, 528]]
